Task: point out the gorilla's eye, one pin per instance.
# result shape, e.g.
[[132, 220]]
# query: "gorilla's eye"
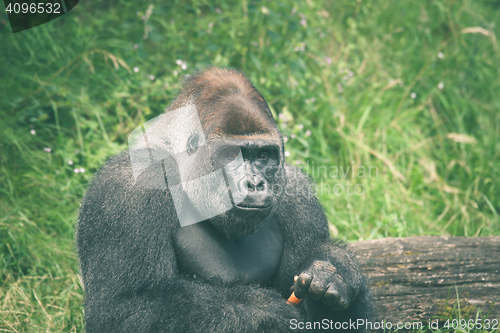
[[192, 144], [263, 156]]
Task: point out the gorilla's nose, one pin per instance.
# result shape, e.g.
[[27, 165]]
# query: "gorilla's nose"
[[256, 192], [255, 183]]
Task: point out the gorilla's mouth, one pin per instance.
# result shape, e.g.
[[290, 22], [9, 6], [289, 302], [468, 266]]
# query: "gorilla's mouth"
[[251, 207], [256, 202]]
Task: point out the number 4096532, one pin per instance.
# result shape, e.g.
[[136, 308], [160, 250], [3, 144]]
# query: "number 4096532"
[[471, 323], [39, 8]]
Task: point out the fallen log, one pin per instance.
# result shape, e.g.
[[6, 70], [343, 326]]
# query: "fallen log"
[[418, 278]]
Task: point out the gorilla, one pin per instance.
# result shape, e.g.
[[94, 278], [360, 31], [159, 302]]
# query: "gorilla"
[[201, 227]]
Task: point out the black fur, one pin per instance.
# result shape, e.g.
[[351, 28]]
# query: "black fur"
[[134, 282]]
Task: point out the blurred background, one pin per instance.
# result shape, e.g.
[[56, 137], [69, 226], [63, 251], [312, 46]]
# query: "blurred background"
[[392, 107]]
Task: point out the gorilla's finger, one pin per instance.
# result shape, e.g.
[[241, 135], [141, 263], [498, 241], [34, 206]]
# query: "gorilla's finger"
[[301, 286], [331, 296], [316, 290], [341, 305]]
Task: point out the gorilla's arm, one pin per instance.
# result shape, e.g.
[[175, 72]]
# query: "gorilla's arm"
[[313, 256], [185, 305], [130, 273]]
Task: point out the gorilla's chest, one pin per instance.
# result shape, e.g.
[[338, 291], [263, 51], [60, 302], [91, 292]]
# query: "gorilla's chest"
[[252, 258]]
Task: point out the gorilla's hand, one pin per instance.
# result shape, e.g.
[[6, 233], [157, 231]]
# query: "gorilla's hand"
[[321, 282]]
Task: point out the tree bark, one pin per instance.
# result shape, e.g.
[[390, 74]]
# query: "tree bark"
[[417, 278]]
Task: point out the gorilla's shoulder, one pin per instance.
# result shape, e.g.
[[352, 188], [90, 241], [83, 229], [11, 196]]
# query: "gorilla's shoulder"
[[117, 173], [116, 164], [298, 183], [297, 175], [113, 192], [115, 180], [299, 202], [111, 175]]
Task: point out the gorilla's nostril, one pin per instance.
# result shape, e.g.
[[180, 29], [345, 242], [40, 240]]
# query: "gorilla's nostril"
[[261, 186], [250, 186]]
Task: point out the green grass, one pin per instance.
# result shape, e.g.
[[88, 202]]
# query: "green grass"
[[347, 73]]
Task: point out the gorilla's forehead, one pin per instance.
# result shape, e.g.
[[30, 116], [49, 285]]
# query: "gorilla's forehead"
[[248, 140], [242, 118]]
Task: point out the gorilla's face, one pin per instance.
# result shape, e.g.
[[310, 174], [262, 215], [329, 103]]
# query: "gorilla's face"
[[254, 182], [252, 170]]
